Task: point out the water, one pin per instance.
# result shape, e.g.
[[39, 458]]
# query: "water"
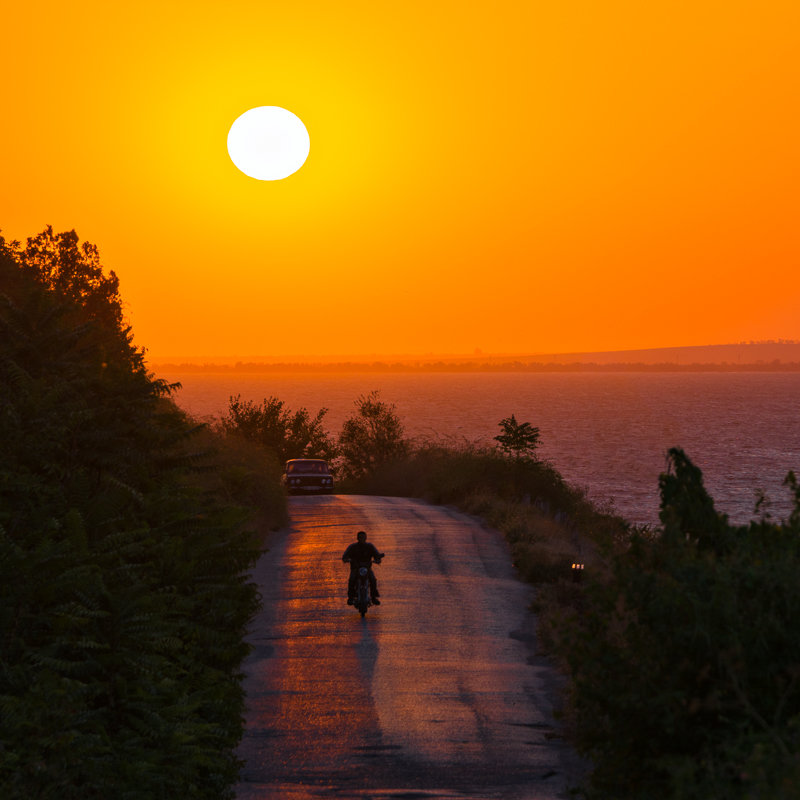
[[608, 433]]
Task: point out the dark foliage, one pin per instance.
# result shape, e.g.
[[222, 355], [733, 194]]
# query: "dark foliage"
[[371, 438], [686, 658], [276, 429], [123, 590], [519, 439], [447, 474]]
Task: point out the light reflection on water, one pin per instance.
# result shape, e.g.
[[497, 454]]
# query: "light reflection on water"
[[606, 432]]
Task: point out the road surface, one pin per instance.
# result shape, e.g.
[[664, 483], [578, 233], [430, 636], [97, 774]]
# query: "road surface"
[[437, 693]]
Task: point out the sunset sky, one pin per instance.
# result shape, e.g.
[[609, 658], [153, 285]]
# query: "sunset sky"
[[514, 177]]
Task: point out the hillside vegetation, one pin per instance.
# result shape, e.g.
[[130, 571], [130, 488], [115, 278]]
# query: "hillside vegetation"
[[124, 550]]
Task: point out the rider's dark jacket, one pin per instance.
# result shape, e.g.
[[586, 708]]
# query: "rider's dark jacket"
[[363, 552]]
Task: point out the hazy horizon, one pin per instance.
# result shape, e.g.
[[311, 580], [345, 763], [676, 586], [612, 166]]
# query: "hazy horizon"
[[787, 345]]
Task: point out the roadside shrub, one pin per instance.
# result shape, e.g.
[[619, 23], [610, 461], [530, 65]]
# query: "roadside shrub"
[[549, 524], [244, 474], [282, 433], [371, 439], [685, 659], [447, 474]]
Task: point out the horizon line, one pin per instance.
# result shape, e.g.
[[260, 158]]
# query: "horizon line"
[[475, 355]]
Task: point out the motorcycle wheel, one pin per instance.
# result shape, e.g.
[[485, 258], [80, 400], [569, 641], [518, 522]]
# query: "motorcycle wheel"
[[362, 603]]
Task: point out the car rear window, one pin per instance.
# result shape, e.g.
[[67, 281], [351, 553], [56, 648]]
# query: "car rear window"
[[308, 467]]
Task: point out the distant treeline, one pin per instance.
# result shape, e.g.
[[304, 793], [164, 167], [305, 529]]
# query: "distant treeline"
[[469, 367]]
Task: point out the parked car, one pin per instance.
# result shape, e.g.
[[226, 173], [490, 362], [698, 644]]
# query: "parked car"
[[307, 476]]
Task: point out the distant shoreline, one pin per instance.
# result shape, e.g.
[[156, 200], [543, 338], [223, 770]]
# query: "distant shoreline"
[[438, 367], [768, 356]]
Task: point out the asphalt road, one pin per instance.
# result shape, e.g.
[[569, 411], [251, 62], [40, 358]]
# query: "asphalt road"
[[436, 693]]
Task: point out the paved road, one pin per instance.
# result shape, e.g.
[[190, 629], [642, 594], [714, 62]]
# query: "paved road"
[[437, 693]]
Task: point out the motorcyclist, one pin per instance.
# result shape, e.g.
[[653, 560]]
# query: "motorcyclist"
[[362, 552]]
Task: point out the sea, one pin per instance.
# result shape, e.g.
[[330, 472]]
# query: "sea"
[[607, 433]]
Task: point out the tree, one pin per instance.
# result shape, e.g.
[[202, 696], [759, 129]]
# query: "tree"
[[687, 509], [124, 593], [274, 427], [73, 270], [518, 439], [371, 438]]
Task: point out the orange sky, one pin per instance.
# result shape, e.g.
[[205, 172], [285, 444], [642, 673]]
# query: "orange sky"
[[518, 177]]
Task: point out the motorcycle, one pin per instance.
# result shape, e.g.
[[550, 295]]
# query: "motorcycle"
[[363, 597]]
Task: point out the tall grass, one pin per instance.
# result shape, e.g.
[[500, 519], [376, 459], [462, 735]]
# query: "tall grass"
[[549, 524]]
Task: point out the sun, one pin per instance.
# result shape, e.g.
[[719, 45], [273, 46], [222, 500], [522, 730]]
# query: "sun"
[[268, 143]]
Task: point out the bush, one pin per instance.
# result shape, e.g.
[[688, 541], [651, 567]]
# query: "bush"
[[686, 659], [449, 474], [242, 473], [277, 430], [371, 439], [549, 524]]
